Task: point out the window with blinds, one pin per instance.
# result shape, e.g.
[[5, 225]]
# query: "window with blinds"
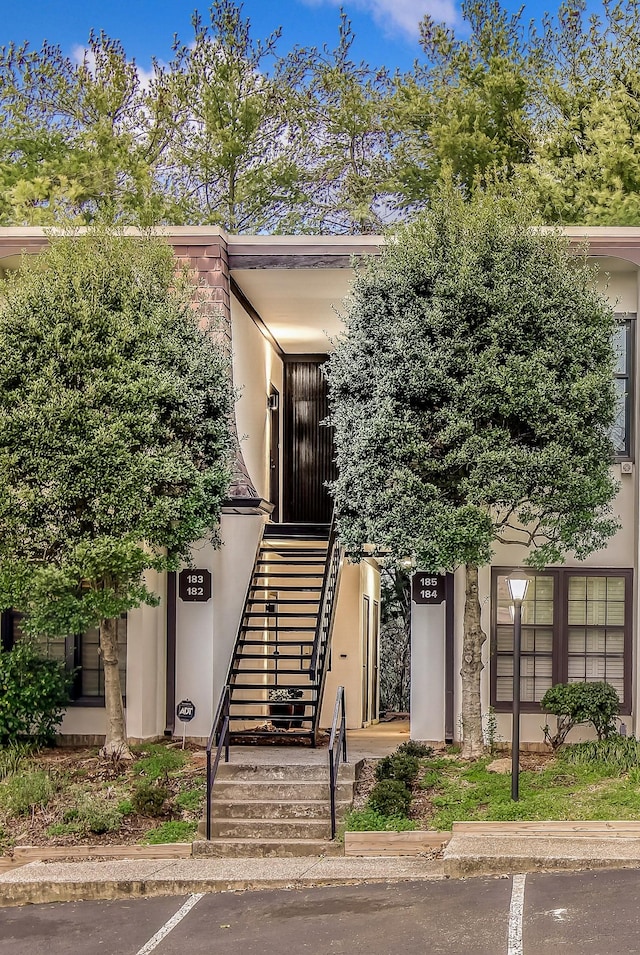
[[576, 627], [79, 652]]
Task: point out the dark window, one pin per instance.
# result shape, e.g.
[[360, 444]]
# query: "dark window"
[[576, 627], [79, 652], [622, 425]]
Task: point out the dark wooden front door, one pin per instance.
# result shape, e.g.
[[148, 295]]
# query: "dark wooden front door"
[[308, 446]]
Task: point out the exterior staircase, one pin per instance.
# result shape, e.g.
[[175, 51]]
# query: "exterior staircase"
[[278, 667], [275, 810]]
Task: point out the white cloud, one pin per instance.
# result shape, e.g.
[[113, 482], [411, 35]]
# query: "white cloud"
[[398, 16]]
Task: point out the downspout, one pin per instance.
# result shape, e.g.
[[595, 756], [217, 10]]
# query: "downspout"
[[170, 689]]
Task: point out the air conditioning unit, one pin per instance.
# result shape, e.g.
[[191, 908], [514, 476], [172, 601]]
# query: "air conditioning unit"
[[626, 467]]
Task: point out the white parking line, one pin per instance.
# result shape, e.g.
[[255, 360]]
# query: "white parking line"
[[514, 943], [170, 925]]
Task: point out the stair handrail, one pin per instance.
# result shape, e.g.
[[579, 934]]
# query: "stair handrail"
[[326, 603], [339, 735], [219, 735]]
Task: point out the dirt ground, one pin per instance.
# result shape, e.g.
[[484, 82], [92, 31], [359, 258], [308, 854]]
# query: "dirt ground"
[[79, 772]]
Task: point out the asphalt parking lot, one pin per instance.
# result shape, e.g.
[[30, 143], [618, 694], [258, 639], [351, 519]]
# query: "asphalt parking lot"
[[589, 913]]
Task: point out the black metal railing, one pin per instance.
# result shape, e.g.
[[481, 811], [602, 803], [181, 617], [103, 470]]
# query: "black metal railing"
[[326, 605], [337, 750], [218, 737]]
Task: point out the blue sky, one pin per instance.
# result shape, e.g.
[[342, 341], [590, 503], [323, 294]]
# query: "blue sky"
[[386, 29]]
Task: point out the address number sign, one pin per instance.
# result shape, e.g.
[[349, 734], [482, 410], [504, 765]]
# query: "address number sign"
[[194, 584], [428, 588]]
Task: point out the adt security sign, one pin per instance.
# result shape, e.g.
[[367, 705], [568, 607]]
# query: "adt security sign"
[[186, 711], [427, 588]]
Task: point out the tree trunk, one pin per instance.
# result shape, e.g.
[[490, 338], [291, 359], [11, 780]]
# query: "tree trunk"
[[473, 639], [115, 743]]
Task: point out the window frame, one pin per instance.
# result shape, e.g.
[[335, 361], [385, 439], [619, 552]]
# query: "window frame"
[[560, 647]]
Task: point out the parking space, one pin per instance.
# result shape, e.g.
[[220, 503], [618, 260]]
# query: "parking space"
[[582, 913], [84, 928]]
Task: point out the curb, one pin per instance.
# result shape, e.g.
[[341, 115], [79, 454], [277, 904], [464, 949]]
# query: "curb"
[[38, 893]]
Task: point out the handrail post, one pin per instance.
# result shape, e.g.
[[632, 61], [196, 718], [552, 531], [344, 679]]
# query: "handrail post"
[[208, 794], [339, 712]]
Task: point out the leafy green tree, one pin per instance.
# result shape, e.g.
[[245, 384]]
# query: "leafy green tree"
[[114, 436], [347, 132], [234, 154], [465, 111], [80, 140], [472, 396], [395, 639]]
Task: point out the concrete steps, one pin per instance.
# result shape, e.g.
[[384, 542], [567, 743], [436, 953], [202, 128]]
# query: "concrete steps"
[[275, 810]]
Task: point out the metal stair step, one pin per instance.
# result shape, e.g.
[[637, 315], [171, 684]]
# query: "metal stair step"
[[288, 616], [246, 627], [277, 573], [236, 669], [301, 589], [288, 601]]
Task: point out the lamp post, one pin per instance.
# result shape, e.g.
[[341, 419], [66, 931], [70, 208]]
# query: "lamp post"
[[518, 584]]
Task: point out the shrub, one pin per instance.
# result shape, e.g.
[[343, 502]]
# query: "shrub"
[[174, 831], [23, 792], [149, 798], [411, 747], [98, 816], [34, 693], [369, 820], [618, 753], [398, 766], [573, 703], [390, 797]]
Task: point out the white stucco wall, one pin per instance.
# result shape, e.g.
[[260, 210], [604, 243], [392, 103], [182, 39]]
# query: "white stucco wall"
[[255, 367], [347, 649]]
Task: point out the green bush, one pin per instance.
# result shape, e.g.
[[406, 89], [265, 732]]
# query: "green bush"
[[369, 820], [34, 693], [574, 703], [21, 793], [159, 762], [390, 797], [149, 798], [411, 747], [174, 831], [398, 766], [98, 816]]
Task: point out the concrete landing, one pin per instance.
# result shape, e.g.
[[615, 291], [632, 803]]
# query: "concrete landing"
[[495, 854]]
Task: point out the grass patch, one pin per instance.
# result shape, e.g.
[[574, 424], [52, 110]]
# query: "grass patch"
[[159, 761], [369, 820], [191, 799], [22, 792], [563, 789], [174, 831]]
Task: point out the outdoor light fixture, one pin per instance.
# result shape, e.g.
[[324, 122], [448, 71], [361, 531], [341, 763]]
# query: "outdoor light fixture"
[[273, 401], [518, 584]]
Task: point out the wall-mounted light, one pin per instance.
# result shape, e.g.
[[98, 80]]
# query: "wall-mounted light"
[[273, 401]]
